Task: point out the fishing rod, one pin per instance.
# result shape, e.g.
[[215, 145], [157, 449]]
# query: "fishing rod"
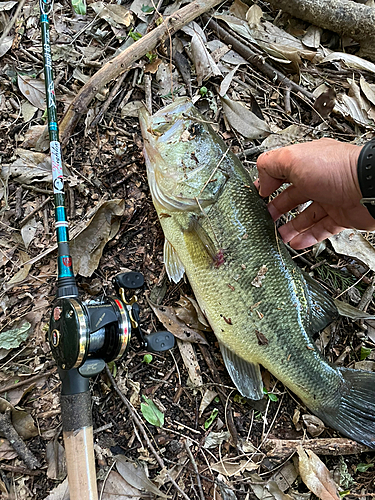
[[83, 337]]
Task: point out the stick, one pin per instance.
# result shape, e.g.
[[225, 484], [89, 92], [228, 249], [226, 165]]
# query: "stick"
[[116, 66], [283, 448], [195, 467], [16, 441], [253, 58]]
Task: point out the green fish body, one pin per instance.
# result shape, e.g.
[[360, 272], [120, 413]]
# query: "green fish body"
[[262, 308]]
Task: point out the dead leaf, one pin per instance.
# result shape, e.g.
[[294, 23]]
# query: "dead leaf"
[[21, 420], [243, 120], [216, 439], [6, 45], [345, 309], [325, 103], [229, 468], [190, 360], [367, 89], [136, 476], [205, 66], [34, 90], [350, 242], [116, 488], [6, 450], [61, 492], [131, 109], [55, 457], [115, 15], [190, 313], [167, 315], [313, 424], [350, 61], [207, 399], [254, 15], [312, 37], [225, 84], [316, 476], [239, 9], [87, 247], [29, 167], [22, 274], [28, 111]]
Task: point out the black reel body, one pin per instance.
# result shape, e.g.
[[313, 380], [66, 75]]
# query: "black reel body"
[[85, 336]]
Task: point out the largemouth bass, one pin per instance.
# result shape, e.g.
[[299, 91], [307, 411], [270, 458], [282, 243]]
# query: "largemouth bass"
[[262, 308]]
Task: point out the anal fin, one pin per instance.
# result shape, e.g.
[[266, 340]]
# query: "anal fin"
[[246, 376]]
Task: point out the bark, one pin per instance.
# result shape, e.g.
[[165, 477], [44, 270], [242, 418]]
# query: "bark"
[[116, 66], [342, 16]]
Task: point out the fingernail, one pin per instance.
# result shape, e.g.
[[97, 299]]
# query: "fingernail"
[[273, 211]]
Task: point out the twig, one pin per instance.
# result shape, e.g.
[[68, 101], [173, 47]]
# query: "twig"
[[116, 66], [27, 381], [367, 297], [35, 211], [16, 441], [110, 98], [194, 464], [14, 19], [273, 74], [140, 426]]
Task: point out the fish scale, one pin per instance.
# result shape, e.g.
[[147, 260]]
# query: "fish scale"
[[219, 232]]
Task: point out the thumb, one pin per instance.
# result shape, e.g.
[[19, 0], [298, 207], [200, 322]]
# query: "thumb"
[[272, 173]]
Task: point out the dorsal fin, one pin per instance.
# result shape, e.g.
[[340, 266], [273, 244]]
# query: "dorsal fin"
[[322, 307]]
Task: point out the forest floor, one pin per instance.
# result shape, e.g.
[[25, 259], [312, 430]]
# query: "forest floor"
[[214, 443]]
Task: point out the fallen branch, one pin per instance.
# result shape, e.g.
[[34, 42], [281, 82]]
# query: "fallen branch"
[[342, 16], [116, 66], [283, 448]]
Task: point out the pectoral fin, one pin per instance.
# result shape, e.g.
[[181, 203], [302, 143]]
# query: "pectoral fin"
[[245, 375], [173, 265], [322, 307], [199, 234]]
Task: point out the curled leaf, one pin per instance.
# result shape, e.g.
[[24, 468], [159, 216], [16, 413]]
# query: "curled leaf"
[[316, 476], [243, 120]]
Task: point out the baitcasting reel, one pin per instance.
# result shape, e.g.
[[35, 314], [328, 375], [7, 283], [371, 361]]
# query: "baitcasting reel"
[[86, 336]]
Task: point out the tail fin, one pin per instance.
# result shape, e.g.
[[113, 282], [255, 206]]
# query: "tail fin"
[[355, 415]]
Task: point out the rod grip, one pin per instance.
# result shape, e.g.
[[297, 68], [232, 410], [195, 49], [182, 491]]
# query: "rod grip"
[[79, 445]]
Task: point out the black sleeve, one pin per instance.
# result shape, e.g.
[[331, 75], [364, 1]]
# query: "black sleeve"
[[366, 176]]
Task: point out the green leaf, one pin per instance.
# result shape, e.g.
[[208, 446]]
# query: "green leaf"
[[151, 413], [344, 493], [147, 9], [272, 396], [203, 91], [113, 368], [79, 7], [147, 358], [363, 467], [11, 339], [365, 352], [211, 418], [135, 35]]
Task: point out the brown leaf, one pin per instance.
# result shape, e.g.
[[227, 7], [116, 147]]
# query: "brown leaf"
[[167, 315], [316, 476], [313, 424], [325, 103], [87, 247]]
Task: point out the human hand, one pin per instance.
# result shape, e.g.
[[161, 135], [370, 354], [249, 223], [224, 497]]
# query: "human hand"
[[324, 172]]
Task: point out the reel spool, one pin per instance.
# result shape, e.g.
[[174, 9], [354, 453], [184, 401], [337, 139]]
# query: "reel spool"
[[85, 336]]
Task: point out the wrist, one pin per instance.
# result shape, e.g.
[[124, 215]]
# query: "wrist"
[[366, 176]]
